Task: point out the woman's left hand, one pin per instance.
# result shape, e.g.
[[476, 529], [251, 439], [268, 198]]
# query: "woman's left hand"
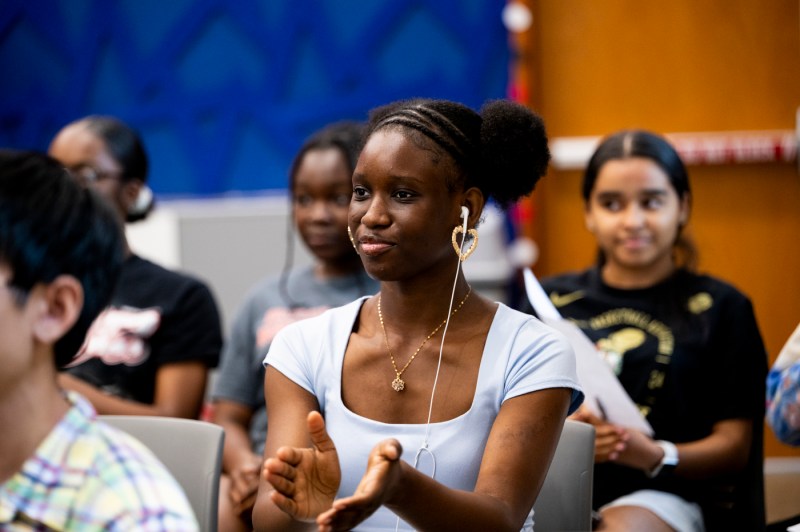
[[382, 475], [641, 452], [609, 440]]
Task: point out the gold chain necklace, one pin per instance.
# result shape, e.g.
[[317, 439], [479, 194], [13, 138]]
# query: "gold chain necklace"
[[399, 384]]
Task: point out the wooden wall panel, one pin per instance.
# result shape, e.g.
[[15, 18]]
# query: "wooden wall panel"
[[679, 66]]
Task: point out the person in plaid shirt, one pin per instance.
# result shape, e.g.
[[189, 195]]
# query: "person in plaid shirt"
[[783, 392], [61, 469]]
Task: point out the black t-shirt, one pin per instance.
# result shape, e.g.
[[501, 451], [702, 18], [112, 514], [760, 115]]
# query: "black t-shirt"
[[156, 317], [689, 353]]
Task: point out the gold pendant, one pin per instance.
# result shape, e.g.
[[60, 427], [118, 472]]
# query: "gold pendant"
[[398, 384]]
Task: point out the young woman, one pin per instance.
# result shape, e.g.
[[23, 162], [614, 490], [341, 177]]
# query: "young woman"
[[320, 183], [453, 404], [685, 347], [150, 351]]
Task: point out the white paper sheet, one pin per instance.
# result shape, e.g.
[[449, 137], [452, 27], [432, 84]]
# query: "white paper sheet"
[[605, 396]]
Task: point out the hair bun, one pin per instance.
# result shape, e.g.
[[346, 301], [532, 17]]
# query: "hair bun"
[[514, 150]]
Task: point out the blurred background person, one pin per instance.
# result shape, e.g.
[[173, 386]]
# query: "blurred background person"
[[320, 187], [685, 346], [783, 392], [783, 404], [150, 351]]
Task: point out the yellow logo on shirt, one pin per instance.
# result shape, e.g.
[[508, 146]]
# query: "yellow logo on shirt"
[[560, 301], [700, 302]]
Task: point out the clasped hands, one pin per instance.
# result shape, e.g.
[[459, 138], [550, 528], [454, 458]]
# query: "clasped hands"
[[306, 480], [621, 445]]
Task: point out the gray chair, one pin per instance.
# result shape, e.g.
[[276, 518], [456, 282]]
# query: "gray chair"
[[190, 449], [565, 500]]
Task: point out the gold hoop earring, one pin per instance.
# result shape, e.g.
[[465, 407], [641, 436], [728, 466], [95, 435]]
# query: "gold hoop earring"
[[352, 241], [462, 256]]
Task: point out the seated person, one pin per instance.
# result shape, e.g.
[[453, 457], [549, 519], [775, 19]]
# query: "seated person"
[[320, 186], [685, 346], [149, 353], [783, 406], [426, 406], [61, 469], [783, 392]]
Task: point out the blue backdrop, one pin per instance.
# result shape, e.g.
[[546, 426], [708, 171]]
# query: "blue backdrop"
[[224, 91]]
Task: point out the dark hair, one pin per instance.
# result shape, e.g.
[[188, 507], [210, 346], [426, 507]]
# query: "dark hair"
[[345, 136], [630, 143], [502, 150], [125, 145], [49, 226], [638, 143]]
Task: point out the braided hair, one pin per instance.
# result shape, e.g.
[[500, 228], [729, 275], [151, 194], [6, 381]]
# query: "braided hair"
[[502, 150]]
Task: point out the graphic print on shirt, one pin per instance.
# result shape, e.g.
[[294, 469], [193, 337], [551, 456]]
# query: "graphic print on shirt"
[[119, 336], [560, 300], [625, 336], [276, 318], [700, 302], [614, 347]]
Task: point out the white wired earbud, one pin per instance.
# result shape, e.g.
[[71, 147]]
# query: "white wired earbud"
[[424, 447]]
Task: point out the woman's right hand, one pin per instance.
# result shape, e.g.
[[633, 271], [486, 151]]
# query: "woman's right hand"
[[305, 480]]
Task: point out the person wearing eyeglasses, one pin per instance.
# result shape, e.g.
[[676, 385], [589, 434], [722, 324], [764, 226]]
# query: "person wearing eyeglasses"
[[150, 351]]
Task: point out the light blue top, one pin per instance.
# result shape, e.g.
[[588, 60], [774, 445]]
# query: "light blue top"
[[521, 355]]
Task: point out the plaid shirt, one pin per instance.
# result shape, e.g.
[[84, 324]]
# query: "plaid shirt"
[[783, 392], [88, 476], [783, 403]]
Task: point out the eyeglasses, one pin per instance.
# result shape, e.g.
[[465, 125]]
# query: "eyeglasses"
[[87, 174]]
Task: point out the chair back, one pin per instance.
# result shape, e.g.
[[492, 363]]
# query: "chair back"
[[190, 449], [565, 500]]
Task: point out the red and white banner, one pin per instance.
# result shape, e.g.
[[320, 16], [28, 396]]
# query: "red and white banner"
[[734, 147]]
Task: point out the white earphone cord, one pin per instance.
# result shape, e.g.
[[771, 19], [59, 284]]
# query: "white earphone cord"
[[441, 346], [424, 446]]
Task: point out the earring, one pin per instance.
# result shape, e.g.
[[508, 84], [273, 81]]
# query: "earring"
[[462, 256], [352, 241]]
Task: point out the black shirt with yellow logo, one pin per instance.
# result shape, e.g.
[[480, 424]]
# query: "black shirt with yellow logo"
[[689, 353]]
